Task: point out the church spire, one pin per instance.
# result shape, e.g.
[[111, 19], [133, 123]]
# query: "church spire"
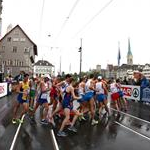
[[129, 54], [129, 47]]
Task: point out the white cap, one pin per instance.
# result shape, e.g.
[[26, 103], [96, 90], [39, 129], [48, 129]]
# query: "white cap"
[[99, 77], [46, 76]]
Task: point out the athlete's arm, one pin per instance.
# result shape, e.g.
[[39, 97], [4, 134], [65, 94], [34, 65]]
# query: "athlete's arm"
[[43, 89], [71, 89], [105, 88], [58, 85], [91, 87], [18, 88]]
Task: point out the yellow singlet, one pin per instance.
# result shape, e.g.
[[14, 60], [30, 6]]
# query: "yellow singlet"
[[25, 87]]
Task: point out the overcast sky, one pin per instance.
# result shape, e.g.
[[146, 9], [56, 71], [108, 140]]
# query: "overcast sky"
[[67, 21]]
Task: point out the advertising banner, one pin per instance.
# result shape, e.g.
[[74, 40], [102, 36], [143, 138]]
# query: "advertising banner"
[[146, 95], [3, 89], [131, 92]]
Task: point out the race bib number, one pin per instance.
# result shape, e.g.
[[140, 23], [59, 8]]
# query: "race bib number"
[[44, 96]]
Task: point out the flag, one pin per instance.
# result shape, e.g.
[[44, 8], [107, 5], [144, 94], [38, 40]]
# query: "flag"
[[119, 55]]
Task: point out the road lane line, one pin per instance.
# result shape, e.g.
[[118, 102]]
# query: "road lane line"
[[17, 132], [130, 115], [146, 137], [54, 140]]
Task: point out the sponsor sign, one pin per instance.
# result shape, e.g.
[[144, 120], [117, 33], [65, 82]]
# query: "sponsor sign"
[[146, 95], [131, 92], [3, 89]]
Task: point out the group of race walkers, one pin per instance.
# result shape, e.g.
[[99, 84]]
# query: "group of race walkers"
[[56, 97]]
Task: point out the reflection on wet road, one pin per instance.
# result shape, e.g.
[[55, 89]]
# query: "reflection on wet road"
[[119, 132]]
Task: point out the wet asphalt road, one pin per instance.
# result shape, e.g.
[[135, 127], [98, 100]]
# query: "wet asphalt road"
[[119, 132]]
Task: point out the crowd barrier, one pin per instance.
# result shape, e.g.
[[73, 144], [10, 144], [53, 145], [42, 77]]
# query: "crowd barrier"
[[3, 89], [136, 93], [130, 91]]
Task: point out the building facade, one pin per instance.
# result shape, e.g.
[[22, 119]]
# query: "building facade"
[[43, 67], [146, 71], [126, 70], [1, 7], [98, 68], [17, 52], [109, 71]]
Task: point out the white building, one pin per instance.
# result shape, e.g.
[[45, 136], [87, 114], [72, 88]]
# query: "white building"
[[127, 70], [43, 67], [98, 68], [146, 71]]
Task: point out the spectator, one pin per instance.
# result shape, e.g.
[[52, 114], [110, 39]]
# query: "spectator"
[[141, 80], [125, 82]]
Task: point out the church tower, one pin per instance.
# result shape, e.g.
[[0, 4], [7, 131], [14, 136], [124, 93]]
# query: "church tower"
[[129, 55]]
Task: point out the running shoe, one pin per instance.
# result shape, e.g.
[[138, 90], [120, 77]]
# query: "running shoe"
[[44, 122], [94, 122], [82, 118], [31, 108], [14, 121], [32, 120], [19, 120], [61, 133], [52, 122], [72, 128]]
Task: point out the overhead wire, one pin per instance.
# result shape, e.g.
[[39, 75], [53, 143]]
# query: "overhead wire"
[[41, 23], [67, 18], [97, 14], [41, 19]]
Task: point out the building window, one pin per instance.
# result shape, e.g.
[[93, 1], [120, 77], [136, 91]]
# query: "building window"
[[8, 62], [14, 49], [3, 47], [22, 39], [16, 32], [26, 50], [18, 63], [15, 39], [21, 63], [4, 62], [9, 39], [11, 62], [15, 62]]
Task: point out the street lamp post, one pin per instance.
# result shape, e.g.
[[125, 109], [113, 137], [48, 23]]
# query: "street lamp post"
[[80, 50]]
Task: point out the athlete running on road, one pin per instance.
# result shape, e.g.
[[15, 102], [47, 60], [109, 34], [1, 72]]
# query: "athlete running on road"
[[89, 97], [67, 104], [43, 99], [61, 86], [100, 95], [22, 99]]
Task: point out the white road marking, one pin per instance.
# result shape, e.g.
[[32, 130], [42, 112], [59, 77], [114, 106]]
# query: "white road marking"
[[54, 140], [130, 115], [146, 137], [17, 132]]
